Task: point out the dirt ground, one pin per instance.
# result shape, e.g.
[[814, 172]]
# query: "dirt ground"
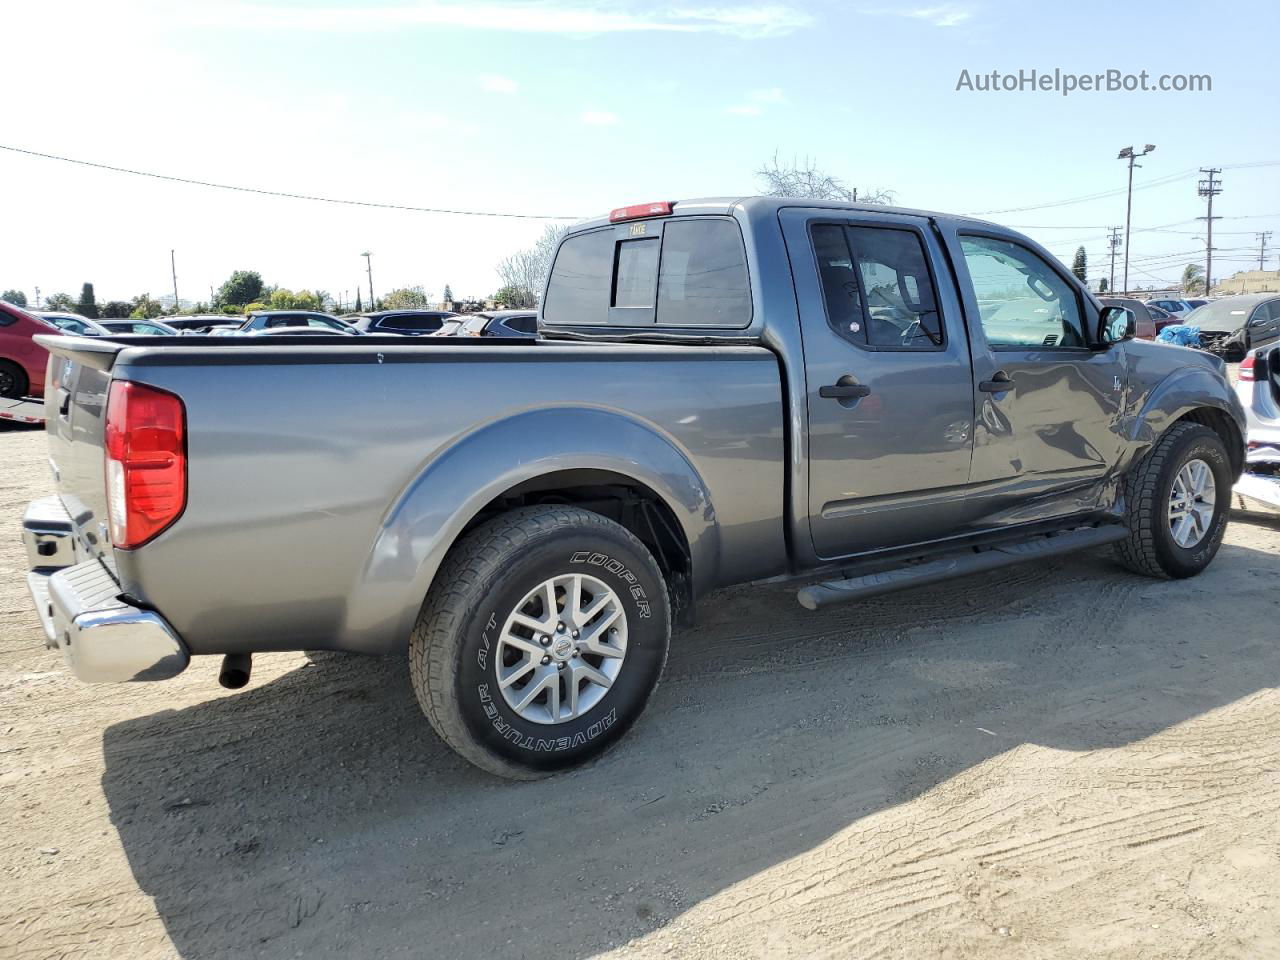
[[1059, 760]]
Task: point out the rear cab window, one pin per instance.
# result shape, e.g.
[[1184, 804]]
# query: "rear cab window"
[[675, 272]]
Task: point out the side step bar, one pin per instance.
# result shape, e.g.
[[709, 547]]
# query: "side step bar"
[[818, 595]]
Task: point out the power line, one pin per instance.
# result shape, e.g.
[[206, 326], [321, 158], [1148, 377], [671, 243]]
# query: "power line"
[[280, 193]]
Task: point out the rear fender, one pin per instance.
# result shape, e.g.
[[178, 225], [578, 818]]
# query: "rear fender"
[[458, 481]]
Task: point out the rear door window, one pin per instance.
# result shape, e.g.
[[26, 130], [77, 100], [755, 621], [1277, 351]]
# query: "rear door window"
[[877, 287]]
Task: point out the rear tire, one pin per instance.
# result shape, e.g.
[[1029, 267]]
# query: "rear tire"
[[1156, 490], [520, 701], [13, 380]]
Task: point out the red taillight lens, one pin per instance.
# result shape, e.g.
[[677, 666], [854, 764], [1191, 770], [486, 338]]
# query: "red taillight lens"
[[1245, 370], [640, 210], [146, 454]]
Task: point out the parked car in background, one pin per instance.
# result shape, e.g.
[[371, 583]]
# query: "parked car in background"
[[1145, 324], [407, 323], [140, 328], [1160, 318], [722, 391], [1232, 326], [501, 323], [203, 323], [266, 321], [72, 323], [1172, 305], [22, 360], [1258, 387]]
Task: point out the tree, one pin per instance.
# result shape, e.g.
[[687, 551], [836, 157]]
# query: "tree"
[[803, 179], [1193, 278], [115, 309], [88, 306], [144, 308], [407, 298], [59, 301], [243, 286], [1080, 265], [524, 273], [282, 299], [16, 297], [448, 294], [359, 305]]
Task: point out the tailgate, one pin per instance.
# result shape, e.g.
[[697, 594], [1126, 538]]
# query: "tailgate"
[[78, 376]]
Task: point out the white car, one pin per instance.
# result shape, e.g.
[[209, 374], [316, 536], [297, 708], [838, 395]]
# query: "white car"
[[1258, 387], [1179, 308]]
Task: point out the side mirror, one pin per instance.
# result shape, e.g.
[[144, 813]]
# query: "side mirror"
[[1115, 324]]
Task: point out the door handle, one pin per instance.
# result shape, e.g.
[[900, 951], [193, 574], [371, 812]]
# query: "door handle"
[[997, 384], [844, 391]]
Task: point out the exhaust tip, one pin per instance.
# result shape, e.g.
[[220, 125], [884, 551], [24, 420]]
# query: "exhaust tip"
[[236, 668]]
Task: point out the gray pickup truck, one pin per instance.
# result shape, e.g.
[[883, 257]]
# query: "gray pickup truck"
[[859, 398]]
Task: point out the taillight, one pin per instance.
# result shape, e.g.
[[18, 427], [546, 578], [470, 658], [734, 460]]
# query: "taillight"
[[1245, 370], [146, 454], [639, 211]]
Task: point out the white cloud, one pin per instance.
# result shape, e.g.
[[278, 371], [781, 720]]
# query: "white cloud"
[[599, 118], [496, 83], [756, 102], [746, 20], [941, 15]]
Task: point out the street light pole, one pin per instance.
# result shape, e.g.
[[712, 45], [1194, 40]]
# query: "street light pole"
[[368, 263], [1128, 154]]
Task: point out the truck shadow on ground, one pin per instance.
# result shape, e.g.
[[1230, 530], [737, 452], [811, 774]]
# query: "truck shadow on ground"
[[318, 815]]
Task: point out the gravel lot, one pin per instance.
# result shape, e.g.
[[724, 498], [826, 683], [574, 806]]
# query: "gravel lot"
[[1060, 760]]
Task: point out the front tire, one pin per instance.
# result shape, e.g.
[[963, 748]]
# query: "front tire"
[[13, 380], [541, 640], [1177, 498]]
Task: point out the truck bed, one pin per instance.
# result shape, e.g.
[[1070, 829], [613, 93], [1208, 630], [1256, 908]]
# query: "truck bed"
[[320, 475]]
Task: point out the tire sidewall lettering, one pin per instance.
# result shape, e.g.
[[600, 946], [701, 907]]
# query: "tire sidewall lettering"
[[613, 715]]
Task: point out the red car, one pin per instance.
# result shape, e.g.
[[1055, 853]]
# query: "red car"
[[22, 360]]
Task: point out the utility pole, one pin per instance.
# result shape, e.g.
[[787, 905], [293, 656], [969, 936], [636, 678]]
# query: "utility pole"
[[1128, 154], [1262, 247], [1114, 241], [368, 263], [173, 267], [37, 298], [1209, 189]]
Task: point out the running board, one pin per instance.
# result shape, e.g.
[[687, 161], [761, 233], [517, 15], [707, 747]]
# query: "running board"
[[818, 595]]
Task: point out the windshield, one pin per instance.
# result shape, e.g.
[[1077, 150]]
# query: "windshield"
[[474, 326], [1220, 316]]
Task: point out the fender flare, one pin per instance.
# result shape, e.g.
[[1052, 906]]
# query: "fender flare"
[[1182, 392], [457, 481]]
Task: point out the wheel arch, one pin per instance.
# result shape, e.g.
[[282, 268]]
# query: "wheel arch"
[[614, 464], [1192, 395]]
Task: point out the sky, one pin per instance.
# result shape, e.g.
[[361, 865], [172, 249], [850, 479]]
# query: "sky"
[[571, 107]]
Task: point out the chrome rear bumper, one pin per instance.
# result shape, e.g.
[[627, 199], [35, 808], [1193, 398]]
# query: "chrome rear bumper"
[[103, 638]]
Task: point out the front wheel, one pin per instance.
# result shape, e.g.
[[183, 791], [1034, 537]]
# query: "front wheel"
[[1177, 499], [13, 380], [540, 641]]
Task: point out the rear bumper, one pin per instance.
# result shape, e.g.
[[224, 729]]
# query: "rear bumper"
[[103, 638]]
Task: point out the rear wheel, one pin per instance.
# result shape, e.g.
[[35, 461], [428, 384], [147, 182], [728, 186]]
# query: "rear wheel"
[[541, 640], [13, 380], [1177, 498]]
